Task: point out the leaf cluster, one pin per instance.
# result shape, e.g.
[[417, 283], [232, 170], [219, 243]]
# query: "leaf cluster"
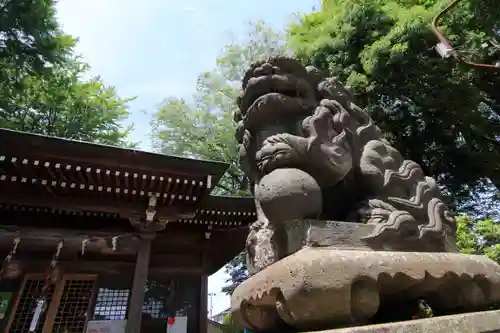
[[479, 237]]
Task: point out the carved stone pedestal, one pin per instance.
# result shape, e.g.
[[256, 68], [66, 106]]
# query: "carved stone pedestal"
[[320, 288]]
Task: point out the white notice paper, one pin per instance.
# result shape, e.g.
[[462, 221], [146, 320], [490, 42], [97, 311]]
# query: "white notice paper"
[[179, 326]]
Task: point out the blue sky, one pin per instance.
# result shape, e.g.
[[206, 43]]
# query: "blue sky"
[[154, 49]]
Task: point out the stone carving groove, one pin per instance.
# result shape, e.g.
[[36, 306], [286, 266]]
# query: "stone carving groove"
[[293, 121]]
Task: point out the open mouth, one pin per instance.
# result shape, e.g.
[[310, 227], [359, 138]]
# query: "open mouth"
[[284, 84]]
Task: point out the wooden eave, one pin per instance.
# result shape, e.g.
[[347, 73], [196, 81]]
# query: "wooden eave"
[[222, 211], [38, 170], [17, 142]]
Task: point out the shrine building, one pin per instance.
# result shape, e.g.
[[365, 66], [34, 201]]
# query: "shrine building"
[[104, 239]]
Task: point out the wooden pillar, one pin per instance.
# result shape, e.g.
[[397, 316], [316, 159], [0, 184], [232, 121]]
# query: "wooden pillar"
[[138, 288], [203, 303], [204, 288]]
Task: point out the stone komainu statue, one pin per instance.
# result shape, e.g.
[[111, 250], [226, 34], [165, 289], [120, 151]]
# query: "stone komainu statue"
[[312, 153]]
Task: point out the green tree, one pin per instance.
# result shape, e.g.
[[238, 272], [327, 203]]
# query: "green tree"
[[440, 113], [203, 127], [40, 86], [237, 270], [59, 104], [229, 325], [479, 237], [31, 39]]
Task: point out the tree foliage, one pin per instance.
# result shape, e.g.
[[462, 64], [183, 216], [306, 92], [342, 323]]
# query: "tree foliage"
[[41, 89], [479, 237], [237, 270], [440, 113], [30, 39]]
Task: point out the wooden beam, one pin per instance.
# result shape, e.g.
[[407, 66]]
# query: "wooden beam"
[[39, 240], [10, 231], [19, 267], [172, 238], [43, 249], [17, 196], [138, 287], [184, 259]]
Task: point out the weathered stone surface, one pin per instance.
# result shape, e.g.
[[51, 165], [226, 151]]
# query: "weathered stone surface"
[[298, 233], [333, 234], [476, 322], [339, 235], [344, 235], [323, 288], [349, 235], [291, 188]]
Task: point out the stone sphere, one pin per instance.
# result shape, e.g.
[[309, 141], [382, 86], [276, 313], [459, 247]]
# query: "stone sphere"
[[287, 194]]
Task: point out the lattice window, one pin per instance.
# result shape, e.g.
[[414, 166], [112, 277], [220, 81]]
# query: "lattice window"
[[111, 304], [73, 307], [155, 299], [27, 305], [154, 308]]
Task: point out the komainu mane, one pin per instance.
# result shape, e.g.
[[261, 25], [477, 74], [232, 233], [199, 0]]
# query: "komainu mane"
[[296, 125]]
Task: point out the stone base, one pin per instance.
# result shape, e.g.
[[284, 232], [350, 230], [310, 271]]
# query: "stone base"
[[320, 288], [476, 322], [348, 236]]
